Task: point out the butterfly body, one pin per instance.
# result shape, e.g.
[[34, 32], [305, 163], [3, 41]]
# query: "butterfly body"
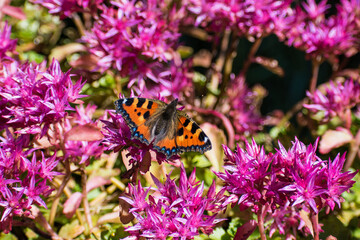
[[169, 130]]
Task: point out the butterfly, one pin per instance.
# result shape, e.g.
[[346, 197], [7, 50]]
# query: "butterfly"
[[170, 131]]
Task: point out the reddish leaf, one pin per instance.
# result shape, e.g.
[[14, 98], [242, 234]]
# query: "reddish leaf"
[[145, 163], [270, 64], [331, 238], [334, 138], [86, 62], [15, 12], [245, 230], [85, 132], [112, 217], [202, 59], [217, 137], [63, 51], [71, 204], [125, 215], [95, 182], [306, 218]]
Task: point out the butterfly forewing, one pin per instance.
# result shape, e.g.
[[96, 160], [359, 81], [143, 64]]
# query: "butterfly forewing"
[[190, 136], [136, 111]]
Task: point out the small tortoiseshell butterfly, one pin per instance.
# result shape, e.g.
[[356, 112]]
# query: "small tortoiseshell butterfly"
[[169, 130]]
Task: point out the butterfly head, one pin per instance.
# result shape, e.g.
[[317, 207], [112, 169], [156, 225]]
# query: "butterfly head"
[[170, 110]]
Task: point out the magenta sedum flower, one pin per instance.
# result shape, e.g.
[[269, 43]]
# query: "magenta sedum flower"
[[139, 40], [339, 97], [337, 181], [244, 108], [309, 184], [22, 182], [172, 210], [310, 30], [65, 8], [249, 18], [246, 174], [176, 82], [34, 99], [6, 44], [296, 178]]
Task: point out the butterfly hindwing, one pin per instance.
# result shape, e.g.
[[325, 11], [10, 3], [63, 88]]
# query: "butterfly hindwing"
[[168, 147], [189, 137], [136, 111]]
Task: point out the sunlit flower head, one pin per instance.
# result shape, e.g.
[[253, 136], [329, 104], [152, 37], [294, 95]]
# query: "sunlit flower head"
[[249, 18], [309, 29], [139, 40], [173, 210], [284, 183], [23, 182], [6, 44], [338, 98], [35, 98], [65, 8]]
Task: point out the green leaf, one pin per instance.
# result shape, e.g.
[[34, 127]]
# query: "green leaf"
[[71, 230], [8, 236], [93, 194], [233, 226], [200, 161], [220, 233]]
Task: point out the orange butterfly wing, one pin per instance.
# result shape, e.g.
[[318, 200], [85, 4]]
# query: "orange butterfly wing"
[[189, 137], [136, 111]]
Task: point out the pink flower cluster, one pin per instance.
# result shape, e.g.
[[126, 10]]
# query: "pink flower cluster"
[[249, 18], [33, 98], [309, 29], [65, 8], [139, 39], [34, 101], [174, 210], [22, 181], [339, 98], [296, 178], [243, 112]]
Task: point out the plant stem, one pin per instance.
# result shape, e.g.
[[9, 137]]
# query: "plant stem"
[[354, 149], [84, 199], [227, 123], [79, 24], [40, 219], [254, 48], [261, 216], [315, 73], [229, 58], [315, 224], [59, 192]]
